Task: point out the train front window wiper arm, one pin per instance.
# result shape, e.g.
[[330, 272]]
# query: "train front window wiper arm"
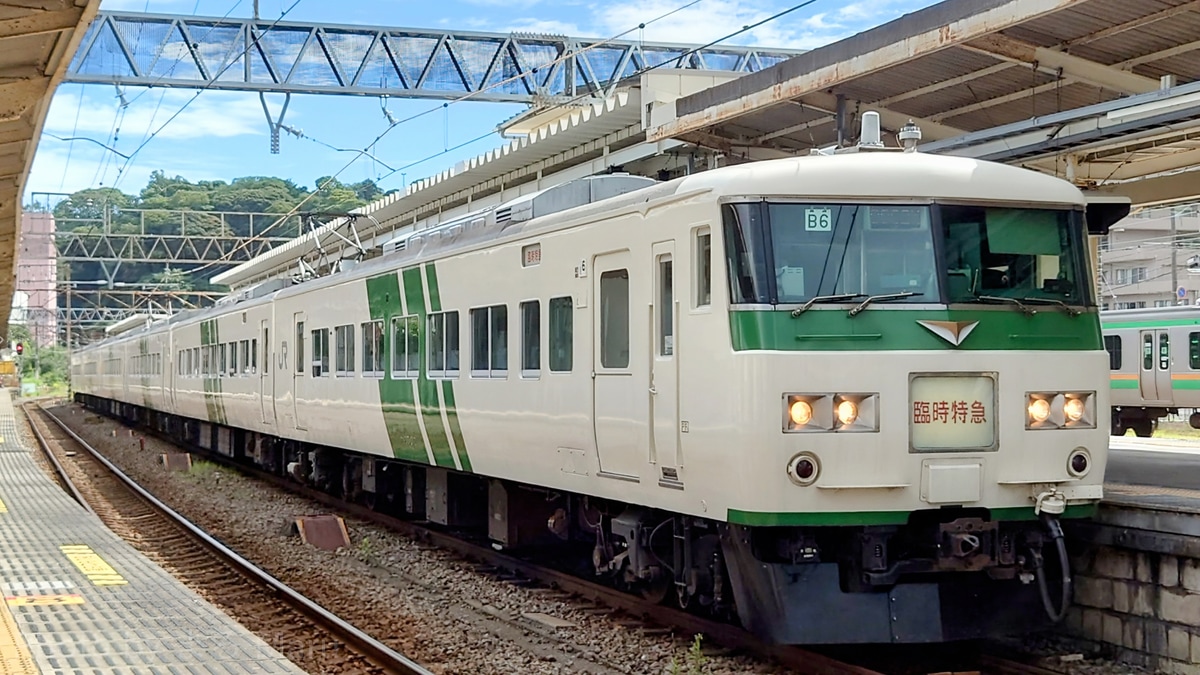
[[1052, 301], [880, 298], [1029, 311], [844, 297]]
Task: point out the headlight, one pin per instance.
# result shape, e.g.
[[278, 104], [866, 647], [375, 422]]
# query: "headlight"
[[1039, 410], [847, 412], [1074, 409], [801, 413], [1060, 410]]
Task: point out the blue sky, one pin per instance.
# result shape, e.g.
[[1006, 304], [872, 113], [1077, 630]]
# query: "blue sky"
[[224, 135]]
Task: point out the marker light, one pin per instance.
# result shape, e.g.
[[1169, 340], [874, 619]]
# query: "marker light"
[[847, 412], [1039, 410], [1073, 409], [801, 413]]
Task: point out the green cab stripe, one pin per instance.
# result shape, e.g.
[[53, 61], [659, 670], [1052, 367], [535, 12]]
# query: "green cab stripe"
[[843, 518], [395, 396], [447, 386], [895, 330], [430, 409]]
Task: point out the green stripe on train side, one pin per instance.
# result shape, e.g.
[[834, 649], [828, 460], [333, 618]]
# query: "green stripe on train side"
[[1124, 384], [1160, 323], [395, 395], [447, 386], [844, 518], [430, 408], [1190, 385], [898, 329]]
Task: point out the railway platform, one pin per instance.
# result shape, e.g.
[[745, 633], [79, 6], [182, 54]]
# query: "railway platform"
[[78, 599]]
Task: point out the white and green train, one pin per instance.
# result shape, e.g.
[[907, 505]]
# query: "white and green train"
[[1154, 362], [842, 398]]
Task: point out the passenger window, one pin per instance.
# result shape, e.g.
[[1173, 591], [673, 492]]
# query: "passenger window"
[[703, 267], [223, 358], [531, 336], [489, 341], [1112, 343], [245, 358], [253, 356], [1148, 351], [320, 352], [666, 307], [561, 342], [443, 344], [1164, 353], [614, 319], [344, 356], [372, 338], [1194, 350], [405, 347]]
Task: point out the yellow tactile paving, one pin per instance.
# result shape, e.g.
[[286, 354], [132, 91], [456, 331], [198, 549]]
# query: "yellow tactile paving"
[[15, 657], [92, 565], [27, 600]]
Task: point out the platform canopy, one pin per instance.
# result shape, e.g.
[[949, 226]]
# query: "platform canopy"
[[1092, 90], [37, 40]]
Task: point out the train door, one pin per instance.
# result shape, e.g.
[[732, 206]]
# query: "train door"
[[266, 375], [1155, 377], [298, 366], [664, 369], [619, 411]]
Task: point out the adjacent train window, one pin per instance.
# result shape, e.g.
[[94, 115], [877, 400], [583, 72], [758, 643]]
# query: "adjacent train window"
[[299, 346], [1112, 343], [614, 319], [233, 359], [320, 352], [443, 344], [406, 343], [1194, 350], [253, 356], [1148, 351], [489, 341], [344, 354], [223, 358], [703, 267], [531, 337], [561, 343], [245, 358], [1164, 352], [372, 348]]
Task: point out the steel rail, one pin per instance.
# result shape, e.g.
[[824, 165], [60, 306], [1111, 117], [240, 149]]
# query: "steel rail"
[[374, 650], [44, 446]]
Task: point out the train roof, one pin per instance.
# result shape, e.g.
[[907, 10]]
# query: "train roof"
[[887, 175], [1180, 313]]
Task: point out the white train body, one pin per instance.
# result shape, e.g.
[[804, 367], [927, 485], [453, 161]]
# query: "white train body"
[[666, 368]]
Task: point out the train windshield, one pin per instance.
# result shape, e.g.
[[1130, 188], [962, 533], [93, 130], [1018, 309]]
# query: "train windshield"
[[791, 253]]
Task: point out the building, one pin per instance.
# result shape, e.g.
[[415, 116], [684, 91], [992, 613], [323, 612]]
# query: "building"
[[35, 302], [1137, 256]]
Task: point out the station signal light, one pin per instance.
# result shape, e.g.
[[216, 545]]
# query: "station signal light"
[[20, 349]]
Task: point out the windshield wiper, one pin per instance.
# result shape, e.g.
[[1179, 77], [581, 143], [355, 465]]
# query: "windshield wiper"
[[1029, 311], [1051, 301], [826, 298], [877, 298]]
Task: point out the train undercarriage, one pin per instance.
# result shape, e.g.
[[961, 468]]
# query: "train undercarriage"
[[945, 574], [1144, 420]]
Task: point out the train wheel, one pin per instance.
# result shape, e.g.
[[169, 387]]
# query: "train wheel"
[[1143, 428], [1194, 420]]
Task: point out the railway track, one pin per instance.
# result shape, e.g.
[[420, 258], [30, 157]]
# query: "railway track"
[[300, 629], [629, 610]]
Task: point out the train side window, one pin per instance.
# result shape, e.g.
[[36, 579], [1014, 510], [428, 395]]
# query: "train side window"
[[1164, 352], [531, 338], [372, 343], [344, 355], [299, 346], [443, 344], [561, 341], [245, 357], [224, 358], [320, 352], [614, 319], [1148, 351], [1112, 343], [703, 267], [489, 341], [1194, 350], [405, 343], [233, 359], [253, 356]]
